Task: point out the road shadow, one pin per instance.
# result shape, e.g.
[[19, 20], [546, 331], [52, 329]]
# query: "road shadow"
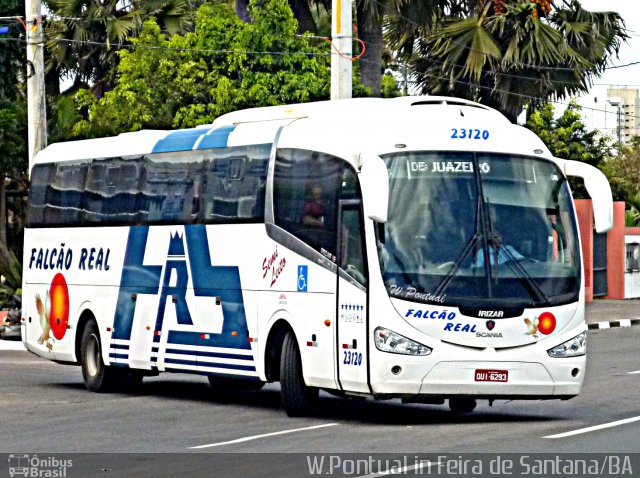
[[360, 411]]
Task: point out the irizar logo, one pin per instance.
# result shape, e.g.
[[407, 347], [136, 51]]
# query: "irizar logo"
[[495, 314], [188, 280]]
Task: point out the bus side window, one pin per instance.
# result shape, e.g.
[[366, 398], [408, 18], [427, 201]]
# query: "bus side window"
[[65, 201], [307, 188], [167, 189], [40, 193], [234, 185]]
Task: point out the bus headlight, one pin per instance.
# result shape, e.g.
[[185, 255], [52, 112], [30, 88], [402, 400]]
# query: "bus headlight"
[[571, 348], [389, 341]]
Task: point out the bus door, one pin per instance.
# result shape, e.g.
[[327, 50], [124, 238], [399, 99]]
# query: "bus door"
[[352, 314]]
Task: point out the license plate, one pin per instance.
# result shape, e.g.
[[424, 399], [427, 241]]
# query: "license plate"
[[483, 375]]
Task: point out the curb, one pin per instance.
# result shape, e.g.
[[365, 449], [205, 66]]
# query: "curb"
[[11, 345], [614, 323]]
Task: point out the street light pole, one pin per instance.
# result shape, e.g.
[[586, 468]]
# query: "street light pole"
[[36, 103], [341, 40]]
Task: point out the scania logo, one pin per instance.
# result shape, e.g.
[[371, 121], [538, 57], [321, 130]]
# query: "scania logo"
[[491, 324]]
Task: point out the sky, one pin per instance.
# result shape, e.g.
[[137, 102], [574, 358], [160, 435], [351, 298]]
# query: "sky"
[[626, 76]]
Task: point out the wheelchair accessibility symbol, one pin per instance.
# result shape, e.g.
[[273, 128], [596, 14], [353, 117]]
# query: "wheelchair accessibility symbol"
[[302, 278]]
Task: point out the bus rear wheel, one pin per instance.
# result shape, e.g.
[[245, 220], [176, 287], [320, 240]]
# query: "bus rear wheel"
[[99, 377], [299, 400]]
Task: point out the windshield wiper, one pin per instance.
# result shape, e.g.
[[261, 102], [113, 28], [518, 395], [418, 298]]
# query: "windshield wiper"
[[477, 236], [514, 263]]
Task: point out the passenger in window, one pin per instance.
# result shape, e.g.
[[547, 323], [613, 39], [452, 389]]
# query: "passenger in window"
[[313, 214]]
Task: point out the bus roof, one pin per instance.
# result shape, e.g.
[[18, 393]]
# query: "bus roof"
[[341, 127]]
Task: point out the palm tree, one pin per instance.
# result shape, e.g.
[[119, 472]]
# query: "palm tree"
[[81, 32], [510, 53]]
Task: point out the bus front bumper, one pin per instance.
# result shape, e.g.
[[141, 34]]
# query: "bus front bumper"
[[523, 380]]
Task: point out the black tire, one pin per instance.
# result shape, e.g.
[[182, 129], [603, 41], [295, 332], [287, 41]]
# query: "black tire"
[[462, 404], [226, 384], [299, 400], [99, 377]]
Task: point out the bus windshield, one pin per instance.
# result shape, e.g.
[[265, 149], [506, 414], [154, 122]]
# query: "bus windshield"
[[479, 230]]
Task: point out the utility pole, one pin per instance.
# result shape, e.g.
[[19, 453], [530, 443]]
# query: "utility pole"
[[341, 39], [36, 103]]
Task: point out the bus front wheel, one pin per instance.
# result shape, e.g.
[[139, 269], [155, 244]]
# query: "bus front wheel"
[[299, 400], [462, 404]]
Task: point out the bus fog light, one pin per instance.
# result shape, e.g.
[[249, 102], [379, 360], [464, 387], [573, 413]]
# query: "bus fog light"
[[571, 348], [388, 341], [396, 369]]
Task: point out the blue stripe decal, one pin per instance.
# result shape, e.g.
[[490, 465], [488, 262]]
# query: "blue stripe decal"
[[122, 356], [119, 346], [210, 354], [216, 138], [217, 374], [183, 338], [250, 378], [155, 349], [182, 140], [208, 364]]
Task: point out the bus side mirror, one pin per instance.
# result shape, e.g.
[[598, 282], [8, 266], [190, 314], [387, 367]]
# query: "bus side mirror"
[[374, 181], [598, 188]]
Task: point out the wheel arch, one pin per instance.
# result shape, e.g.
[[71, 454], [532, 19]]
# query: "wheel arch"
[[273, 349], [85, 316]]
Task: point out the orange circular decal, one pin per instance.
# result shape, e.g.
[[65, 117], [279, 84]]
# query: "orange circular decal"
[[59, 315], [546, 323]]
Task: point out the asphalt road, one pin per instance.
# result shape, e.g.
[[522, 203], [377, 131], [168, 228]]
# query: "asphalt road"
[[46, 409]]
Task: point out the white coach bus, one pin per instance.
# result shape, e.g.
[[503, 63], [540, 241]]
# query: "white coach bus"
[[421, 248]]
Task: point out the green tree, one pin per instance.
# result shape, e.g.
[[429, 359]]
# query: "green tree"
[[12, 50], [512, 53], [13, 161], [623, 172], [79, 35], [224, 65], [567, 138]]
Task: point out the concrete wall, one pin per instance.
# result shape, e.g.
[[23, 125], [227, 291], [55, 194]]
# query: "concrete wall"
[[584, 211], [616, 249], [621, 284], [616, 254]]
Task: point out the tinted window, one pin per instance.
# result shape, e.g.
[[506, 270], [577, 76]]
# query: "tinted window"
[[234, 185], [168, 187], [307, 188], [225, 185], [111, 192]]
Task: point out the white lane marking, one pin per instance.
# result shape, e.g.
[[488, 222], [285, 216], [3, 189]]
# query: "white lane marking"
[[625, 322], [404, 469], [264, 435], [636, 371], [603, 325], [594, 428]]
